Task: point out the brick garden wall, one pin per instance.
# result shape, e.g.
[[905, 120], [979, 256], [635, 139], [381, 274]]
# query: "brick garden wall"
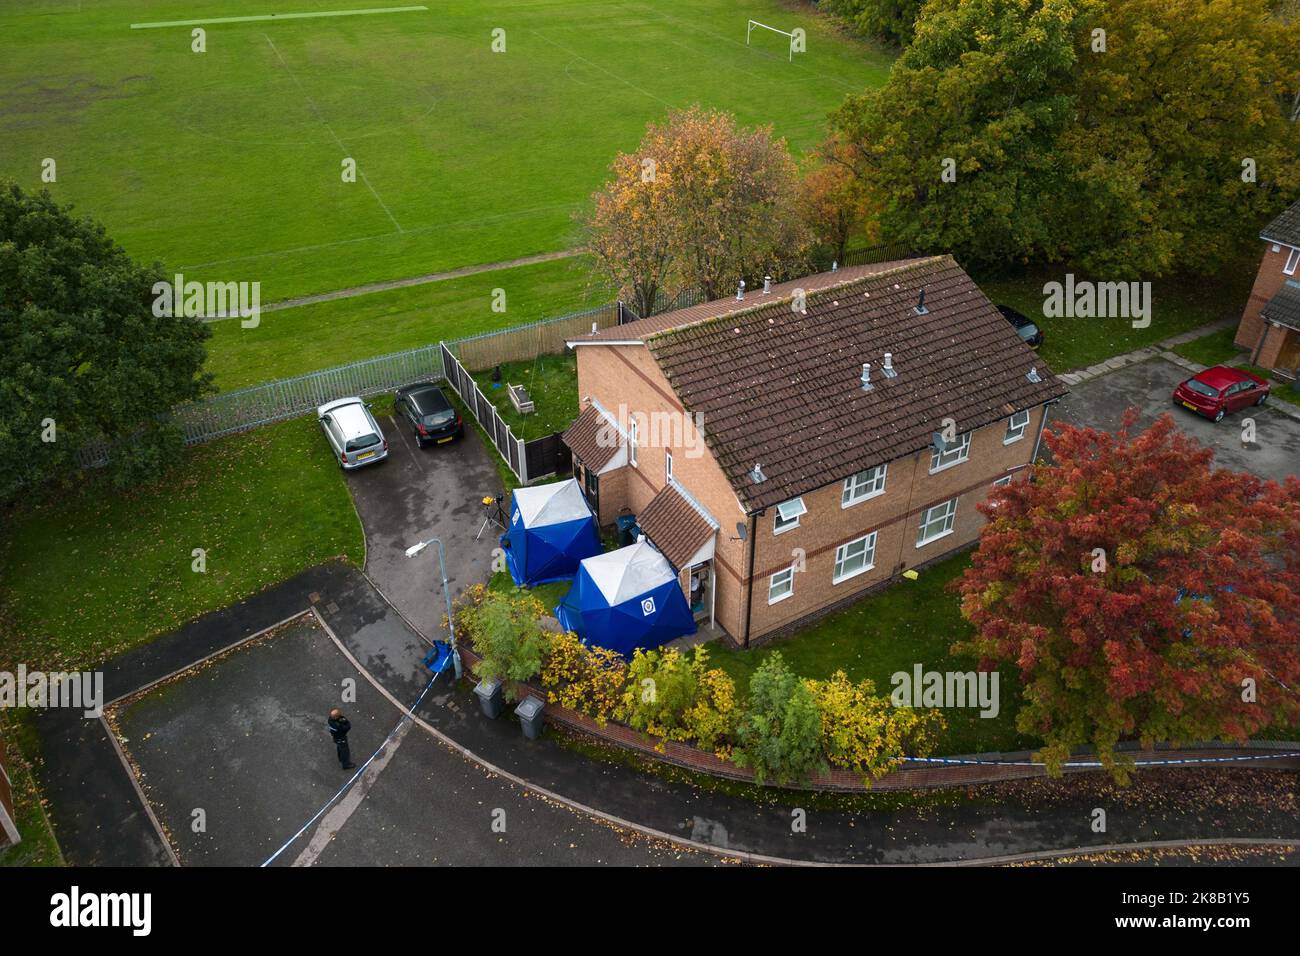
[[908, 777]]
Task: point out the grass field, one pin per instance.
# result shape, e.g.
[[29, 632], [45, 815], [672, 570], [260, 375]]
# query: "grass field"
[[93, 572], [227, 164], [302, 339]]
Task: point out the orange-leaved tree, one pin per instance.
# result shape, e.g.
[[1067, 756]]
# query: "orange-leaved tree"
[[1142, 594], [702, 203]]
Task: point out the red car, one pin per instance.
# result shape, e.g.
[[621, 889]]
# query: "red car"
[[1219, 390]]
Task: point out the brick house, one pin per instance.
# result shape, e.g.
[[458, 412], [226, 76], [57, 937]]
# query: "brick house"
[[780, 484], [1270, 326]]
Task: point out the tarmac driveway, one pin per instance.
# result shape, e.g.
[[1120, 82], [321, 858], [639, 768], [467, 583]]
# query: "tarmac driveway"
[[418, 493], [1101, 402]]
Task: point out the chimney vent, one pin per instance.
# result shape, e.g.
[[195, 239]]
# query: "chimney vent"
[[1033, 375], [740, 290], [866, 377], [756, 475], [767, 284], [594, 327], [835, 266], [889, 366], [920, 308]]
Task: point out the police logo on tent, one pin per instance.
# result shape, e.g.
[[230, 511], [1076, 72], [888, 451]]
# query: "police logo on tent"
[[648, 606]]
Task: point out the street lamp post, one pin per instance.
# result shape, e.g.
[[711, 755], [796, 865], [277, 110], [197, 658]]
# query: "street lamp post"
[[411, 552]]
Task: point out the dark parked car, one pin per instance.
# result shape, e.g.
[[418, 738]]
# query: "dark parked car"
[[431, 416], [1024, 326], [1219, 390]]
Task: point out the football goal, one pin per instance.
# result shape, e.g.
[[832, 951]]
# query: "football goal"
[[796, 36]]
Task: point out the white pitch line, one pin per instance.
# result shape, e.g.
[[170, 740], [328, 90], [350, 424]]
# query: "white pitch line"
[[321, 116], [157, 24]]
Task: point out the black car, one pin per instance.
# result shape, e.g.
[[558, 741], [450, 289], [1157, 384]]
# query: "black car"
[[431, 416], [1024, 326]]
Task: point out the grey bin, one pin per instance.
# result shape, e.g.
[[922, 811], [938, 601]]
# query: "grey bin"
[[489, 698], [529, 713]]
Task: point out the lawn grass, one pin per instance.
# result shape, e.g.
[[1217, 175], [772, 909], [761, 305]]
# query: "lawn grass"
[[91, 572], [38, 846], [552, 383], [548, 594], [227, 164], [289, 342], [909, 623], [1178, 304]]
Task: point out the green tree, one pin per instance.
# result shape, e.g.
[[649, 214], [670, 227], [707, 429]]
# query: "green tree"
[[890, 20], [779, 731], [1114, 134], [506, 633], [82, 356]]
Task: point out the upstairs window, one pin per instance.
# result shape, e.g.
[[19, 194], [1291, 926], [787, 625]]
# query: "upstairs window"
[[1016, 426], [631, 442], [863, 485], [954, 454], [788, 514], [1292, 260]]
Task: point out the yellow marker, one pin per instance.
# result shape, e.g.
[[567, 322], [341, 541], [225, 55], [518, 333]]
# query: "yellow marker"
[[910, 574]]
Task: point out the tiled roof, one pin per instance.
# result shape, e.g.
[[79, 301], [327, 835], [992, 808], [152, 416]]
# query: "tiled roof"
[[677, 529], [782, 388], [1284, 308], [639, 330], [1286, 227], [588, 438]]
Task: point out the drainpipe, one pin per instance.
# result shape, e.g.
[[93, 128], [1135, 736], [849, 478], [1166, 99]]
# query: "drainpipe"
[[1041, 426], [749, 577]]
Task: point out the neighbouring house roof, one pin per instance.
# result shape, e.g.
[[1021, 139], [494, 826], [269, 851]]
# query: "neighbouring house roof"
[[1285, 228], [782, 388], [1284, 307], [594, 437], [678, 528], [638, 331]]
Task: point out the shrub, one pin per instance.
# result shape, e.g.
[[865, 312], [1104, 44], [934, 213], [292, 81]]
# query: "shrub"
[[779, 732], [586, 679], [505, 632], [673, 696], [867, 734]]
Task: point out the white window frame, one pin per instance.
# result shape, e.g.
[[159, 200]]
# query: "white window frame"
[[939, 461], [787, 576], [1004, 480], [841, 556], [780, 524], [1292, 260], [668, 464], [874, 483], [631, 442], [946, 522], [1016, 432]]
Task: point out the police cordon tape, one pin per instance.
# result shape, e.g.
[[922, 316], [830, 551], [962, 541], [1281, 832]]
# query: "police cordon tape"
[[1283, 755], [409, 715]]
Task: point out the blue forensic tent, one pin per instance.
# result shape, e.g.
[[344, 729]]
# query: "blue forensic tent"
[[551, 530], [626, 599]]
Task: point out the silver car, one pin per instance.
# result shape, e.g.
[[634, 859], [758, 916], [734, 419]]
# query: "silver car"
[[352, 432]]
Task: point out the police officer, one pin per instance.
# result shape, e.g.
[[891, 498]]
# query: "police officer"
[[339, 727]]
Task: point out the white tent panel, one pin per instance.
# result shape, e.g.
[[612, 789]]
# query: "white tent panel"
[[555, 503], [628, 572]]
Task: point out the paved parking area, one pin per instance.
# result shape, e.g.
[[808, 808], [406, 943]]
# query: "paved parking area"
[[1101, 403], [418, 493], [243, 740]]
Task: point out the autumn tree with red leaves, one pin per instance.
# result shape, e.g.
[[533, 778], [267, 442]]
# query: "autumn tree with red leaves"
[[1142, 594]]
